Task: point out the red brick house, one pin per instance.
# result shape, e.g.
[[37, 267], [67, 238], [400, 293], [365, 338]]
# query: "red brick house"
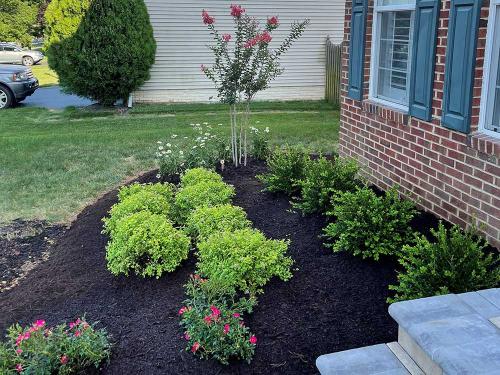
[[421, 103]]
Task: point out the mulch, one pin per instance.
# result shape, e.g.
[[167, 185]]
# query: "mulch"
[[333, 302]]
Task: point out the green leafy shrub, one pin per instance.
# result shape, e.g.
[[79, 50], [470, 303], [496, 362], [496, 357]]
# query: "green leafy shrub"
[[38, 349], [110, 54], [213, 322], [286, 166], [164, 190], [260, 143], [205, 221], [146, 244], [143, 200], [369, 225], [324, 178], [197, 175], [454, 263], [244, 259], [203, 194]]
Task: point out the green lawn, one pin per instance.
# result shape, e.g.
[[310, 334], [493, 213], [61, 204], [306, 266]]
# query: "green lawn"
[[53, 163], [45, 75]]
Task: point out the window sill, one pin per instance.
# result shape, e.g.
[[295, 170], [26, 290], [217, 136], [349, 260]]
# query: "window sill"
[[485, 144], [385, 111]]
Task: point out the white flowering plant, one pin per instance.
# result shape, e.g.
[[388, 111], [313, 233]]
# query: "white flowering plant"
[[260, 142], [205, 149]]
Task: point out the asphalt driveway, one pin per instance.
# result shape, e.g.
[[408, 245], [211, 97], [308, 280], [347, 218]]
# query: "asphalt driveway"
[[53, 98]]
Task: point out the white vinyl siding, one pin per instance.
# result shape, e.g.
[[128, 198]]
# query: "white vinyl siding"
[[182, 41]]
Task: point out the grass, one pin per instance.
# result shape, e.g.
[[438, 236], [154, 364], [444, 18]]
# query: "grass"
[[54, 163], [45, 75]]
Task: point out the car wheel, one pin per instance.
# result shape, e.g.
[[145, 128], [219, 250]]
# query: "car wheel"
[[28, 61], [6, 98]]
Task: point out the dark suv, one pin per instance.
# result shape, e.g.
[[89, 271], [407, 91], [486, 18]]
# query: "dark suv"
[[16, 83]]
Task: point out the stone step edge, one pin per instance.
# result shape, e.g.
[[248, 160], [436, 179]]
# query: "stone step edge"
[[405, 358], [495, 321], [418, 355]]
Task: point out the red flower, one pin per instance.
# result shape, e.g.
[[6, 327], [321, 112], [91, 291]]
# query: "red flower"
[[253, 340], [183, 309], [226, 37], [78, 333], [215, 311], [19, 368], [252, 42], [208, 319], [236, 315], [237, 11], [265, 37], [64, 359], [207, 19], [226, 329], [195, 347], [273, 21]]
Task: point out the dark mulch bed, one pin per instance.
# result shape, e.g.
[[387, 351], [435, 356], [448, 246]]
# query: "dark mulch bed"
[[334, 301]]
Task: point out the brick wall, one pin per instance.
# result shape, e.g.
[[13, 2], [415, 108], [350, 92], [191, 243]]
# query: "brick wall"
[[454, 175]]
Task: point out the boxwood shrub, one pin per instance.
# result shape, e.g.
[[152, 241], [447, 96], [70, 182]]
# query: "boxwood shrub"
[[165, 190], [197, 175], [285, 166], [142, 200], [202, 194], [146, 244], [369, 225], [324, 178], [205, 221], [455, 262], [244, 259]]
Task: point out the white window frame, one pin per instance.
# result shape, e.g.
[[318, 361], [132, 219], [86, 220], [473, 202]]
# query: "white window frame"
[[375, 48], [487, 99]]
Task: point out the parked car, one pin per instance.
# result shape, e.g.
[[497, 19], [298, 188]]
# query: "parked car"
[[16, 83], [11, 53]]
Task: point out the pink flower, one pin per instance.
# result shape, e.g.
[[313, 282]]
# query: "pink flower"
[[186, 335], [64, 359], [195, 347], [237, 11], [226, 329], [253, 340], [19, 368], [207, 19], [19, 339], [215, 311], [208, 319], [183, 309], [78, 333], [19, 351], [85, 325], [236, 315], [265, 37], [226, 37], [39, 324], [273, 21], [251, 43]]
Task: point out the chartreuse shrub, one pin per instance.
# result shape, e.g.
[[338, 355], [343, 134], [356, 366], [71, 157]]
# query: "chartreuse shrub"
[[165, 190], [143, 200], [65, 349], [324, 178], [285, 166], [205, 221], [368, 225], [212, 319], [455, 262], [146, 244], [197, 175], [203, 194], [243, 259], [110, 53]]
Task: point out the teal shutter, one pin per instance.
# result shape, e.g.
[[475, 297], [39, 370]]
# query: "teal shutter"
[[460, 63], [423, 58], [357, 49]]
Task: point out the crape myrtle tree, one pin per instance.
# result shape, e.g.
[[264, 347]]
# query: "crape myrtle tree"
[[245, 67], [110, 54]]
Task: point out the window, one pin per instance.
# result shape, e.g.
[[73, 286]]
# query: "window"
[[490, 98], [391, 52], [9, 48]]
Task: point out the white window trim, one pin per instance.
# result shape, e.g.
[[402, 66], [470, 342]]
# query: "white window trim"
[[375, 48], [485, 89]]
